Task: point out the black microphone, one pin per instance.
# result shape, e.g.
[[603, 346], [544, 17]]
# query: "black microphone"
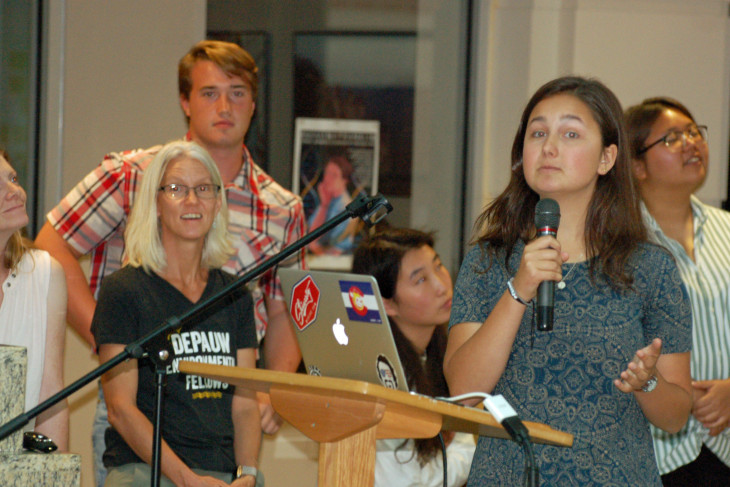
[[547, 219]]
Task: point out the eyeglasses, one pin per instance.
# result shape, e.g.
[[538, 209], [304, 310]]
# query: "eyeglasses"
[[675, 139], [180, 191]]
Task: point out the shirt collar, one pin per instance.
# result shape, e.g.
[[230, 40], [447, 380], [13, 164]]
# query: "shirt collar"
[[699, 213], [699, 217]]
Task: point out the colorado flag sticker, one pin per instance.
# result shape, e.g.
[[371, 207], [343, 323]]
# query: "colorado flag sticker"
[[359, 300]]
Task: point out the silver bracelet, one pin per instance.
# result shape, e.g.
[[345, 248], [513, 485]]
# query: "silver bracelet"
[[513, 292]]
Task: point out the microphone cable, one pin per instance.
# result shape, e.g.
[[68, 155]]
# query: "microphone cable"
[[443, 459], [505, 414]]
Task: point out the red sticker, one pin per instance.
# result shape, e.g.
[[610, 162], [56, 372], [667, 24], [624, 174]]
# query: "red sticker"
[[357, 299], [304, 302]]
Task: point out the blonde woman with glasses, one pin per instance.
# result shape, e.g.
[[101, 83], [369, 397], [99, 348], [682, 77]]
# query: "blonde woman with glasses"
[[177, 240], [670, 161]]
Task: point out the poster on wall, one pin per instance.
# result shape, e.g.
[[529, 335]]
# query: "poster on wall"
[[335, 161], [363, 76]]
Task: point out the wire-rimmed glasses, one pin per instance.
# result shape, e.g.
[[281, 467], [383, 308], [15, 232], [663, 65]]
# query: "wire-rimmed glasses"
[[676, 139], [180, 191]]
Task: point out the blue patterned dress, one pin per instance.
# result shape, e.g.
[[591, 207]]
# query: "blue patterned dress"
[[564, 377]]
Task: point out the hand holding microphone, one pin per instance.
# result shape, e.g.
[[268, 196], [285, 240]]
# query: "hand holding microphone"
[[538, 265], [547, 219]]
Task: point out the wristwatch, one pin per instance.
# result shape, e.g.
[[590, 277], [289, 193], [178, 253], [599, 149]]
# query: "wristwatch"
[[650, 384], [244, 470]]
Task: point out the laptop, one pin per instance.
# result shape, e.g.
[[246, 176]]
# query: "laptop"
[[341, 326]]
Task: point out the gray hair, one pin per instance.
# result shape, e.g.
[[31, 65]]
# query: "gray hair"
[[142, 237]]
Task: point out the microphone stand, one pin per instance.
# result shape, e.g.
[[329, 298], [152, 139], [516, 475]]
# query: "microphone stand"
[[371, 209]]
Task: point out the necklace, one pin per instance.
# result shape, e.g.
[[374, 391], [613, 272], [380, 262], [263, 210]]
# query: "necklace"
[[561, 284]]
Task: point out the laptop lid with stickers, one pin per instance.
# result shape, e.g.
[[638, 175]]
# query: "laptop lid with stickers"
[[341, 326]]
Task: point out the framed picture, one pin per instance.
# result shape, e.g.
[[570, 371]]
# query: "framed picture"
[[257, 43], [335, 161], [362, 76]]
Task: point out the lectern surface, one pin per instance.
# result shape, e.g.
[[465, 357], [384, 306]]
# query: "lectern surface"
[[403, 415]]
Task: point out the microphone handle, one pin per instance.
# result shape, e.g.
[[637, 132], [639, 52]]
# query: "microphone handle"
[[545, 305], [545, 295]]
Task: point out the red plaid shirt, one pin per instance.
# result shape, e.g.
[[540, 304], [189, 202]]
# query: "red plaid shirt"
[[263, 219]]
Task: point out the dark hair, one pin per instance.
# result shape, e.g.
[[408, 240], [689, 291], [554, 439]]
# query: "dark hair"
[[230, 57], [640, 119], [380, 256], [613, 226], [343, 163]]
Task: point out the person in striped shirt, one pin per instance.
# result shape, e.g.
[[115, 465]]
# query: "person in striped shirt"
[[217, 83], [670, 162]]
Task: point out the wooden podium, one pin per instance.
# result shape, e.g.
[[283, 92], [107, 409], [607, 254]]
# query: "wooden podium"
[[347, 416]]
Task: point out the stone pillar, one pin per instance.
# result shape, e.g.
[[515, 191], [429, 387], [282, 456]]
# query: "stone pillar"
[[13, 361], [17, 467]]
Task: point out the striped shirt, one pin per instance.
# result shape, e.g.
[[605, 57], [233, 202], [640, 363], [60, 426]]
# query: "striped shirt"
[[263, 218], [708, 284]]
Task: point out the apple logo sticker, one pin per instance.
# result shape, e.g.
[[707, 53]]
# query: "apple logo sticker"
[[339, 331]]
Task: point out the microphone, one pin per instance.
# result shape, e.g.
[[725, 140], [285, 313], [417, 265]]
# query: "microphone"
[[547, 219]]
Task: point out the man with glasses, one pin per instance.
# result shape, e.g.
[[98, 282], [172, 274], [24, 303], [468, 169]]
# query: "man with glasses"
[[217, 84], [670, 158]]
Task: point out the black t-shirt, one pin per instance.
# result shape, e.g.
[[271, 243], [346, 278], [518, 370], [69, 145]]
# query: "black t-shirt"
[[196, 415]]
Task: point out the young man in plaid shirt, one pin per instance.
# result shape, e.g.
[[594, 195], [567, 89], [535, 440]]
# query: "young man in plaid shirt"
[[217, 84]]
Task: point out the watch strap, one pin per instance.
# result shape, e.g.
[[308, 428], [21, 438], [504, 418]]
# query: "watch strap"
[[650, 384], [244, 470]]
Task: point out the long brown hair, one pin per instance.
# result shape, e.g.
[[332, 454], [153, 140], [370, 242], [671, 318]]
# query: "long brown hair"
[[380, 256], [613, 226]]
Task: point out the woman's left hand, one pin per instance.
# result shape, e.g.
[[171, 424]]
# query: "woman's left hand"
[[641, 368], [270, 421], [712, 404], [245, 481]]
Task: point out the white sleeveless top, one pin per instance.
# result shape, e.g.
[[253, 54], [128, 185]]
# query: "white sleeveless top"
[[24, 314]]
